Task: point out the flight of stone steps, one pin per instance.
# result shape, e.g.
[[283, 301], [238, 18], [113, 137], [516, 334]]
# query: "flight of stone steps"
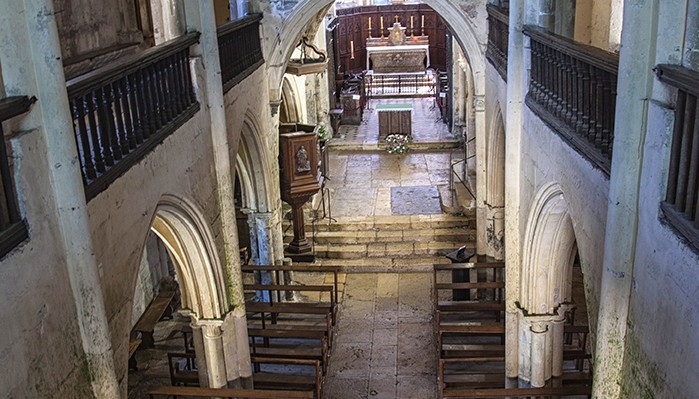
[[410, 243]]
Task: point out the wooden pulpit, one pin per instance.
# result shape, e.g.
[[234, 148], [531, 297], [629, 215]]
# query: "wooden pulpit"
[[299, 182]]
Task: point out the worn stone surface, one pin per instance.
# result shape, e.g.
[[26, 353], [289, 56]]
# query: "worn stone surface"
[[422, 200], [399, 358]]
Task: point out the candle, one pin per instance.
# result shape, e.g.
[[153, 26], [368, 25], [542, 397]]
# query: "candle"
[[382, 22], [423, 21], [369, 23], [411, 22], [352, 48]]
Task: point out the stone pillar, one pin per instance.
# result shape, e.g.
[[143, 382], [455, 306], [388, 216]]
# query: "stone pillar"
[[36, 69], [539, 331], [516, 86], [200, 17], [481, 173], [222, 350], [634, 88], [540, 346], [261, 233]]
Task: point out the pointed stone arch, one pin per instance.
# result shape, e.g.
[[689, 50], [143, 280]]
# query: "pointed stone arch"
[[190, 243], [290, 108], [278, 53], [549, 252], [495, 186]]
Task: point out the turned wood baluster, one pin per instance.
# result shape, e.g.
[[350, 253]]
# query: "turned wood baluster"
[[569, 96], [534, 77], [105, 133], [138, 107], [79, 113], [128, 110], [599, 110], [160, 103], [559, 104], [693, 166], [685, 153], [117, 96], [592, 100], [91, 107], [584, 124], [575, 78], [608, 110], [680, 109]]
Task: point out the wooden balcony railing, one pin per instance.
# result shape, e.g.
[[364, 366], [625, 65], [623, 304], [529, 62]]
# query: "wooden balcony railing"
[[498, 31], [681, 205], [122, 111], [573, 89], [239, 49], [13, 230]]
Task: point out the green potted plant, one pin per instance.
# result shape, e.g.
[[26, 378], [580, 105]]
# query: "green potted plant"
[[322, 133]]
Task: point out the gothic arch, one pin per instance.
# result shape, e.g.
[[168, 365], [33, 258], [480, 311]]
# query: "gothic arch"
[[295, 23], [253, 168], [549, 251], [190, 243], [290, 111], [495, 161]]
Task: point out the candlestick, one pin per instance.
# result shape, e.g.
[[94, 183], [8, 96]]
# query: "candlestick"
[[411, 22], [423, 22], [369, 23], [382, 26], [352, 48]]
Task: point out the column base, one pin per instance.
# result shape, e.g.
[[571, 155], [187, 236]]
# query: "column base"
[[300, 251]]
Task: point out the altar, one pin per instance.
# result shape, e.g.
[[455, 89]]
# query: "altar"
[[395, 118], [397, 53]]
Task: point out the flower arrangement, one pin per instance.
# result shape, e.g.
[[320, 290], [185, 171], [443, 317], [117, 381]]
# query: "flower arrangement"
[[398, 143], [322, 132]]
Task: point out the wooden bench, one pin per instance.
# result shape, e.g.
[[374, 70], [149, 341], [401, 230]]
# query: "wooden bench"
[[285, 381], [298, 316], [182, 375], [156, 310], [563, 391], [278, 271], [471, 329], [286, 344], [228, 393], [495, 271], [133, 345]]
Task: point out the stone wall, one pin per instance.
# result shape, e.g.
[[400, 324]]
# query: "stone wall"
[[547, 158], [40, 344]]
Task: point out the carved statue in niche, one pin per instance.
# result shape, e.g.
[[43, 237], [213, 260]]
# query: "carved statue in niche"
[[397, 34], [302, 162]]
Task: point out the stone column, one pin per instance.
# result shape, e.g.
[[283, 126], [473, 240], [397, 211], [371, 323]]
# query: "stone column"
[[539, 331], [261, 232], [516, 86], [222, 350], [36, 69], [634, 88], [200, 17]]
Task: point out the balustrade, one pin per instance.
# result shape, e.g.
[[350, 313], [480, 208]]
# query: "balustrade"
[[395, 85], [13, 230], [572, 87], [498, 31], [681, 205], [121, 111], [239, 49]]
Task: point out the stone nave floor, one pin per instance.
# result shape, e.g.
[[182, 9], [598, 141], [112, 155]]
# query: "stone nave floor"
[[384, 346]]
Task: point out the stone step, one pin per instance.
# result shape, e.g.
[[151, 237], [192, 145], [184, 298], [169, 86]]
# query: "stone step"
[[418, 264], [388, 250], [394, 223], [456, 234]]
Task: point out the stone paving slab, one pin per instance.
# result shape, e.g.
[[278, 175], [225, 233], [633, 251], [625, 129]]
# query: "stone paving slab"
[[420, 200]]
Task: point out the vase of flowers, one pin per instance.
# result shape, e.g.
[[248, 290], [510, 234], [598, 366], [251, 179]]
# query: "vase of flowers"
[[322, 133], [397, 143]]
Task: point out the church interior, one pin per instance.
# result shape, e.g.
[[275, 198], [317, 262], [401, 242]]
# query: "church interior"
[[342, 199]]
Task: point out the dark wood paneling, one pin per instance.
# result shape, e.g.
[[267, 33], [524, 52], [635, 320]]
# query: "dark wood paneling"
[[353, 25]]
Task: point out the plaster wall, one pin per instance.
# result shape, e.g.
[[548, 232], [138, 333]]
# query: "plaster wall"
[[547, 158], [40, 346], [661, 338]]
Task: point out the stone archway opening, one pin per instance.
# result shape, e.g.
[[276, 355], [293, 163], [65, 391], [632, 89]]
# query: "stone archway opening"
[[551, 291], [183, 329]]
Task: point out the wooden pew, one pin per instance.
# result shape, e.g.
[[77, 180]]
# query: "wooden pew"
[[563, 391], [182, 375], [133, 345], [471, 329], [279, 271], [153, 313], [301, 382], [289, 344], [496, 271], [228, 393]]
